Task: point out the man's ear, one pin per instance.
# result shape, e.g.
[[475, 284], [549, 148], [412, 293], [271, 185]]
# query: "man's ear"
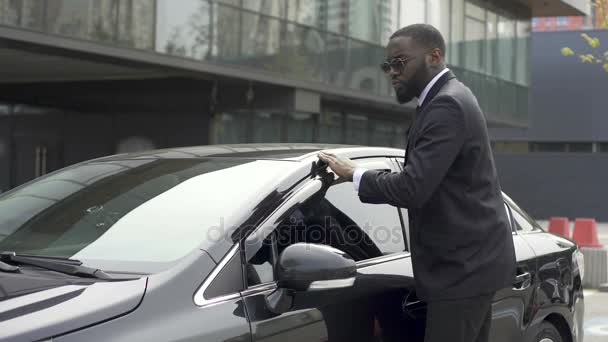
[[436, 58]]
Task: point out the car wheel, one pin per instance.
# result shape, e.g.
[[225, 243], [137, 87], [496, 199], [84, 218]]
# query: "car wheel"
[[548, 333]]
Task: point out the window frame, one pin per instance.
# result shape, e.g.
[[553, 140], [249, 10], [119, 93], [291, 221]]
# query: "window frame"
[[241, 248], [394, 166], [199, 296], [300, 195], [244, 251], [399, 166], [253, 242], [536, 228], [510, 217], [225, 275]]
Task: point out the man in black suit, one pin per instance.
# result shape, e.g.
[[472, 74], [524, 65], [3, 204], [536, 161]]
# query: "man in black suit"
[[461, 243]]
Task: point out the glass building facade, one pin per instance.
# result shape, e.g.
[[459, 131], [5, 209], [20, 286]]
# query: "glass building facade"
[[239, 71], [333, 42]]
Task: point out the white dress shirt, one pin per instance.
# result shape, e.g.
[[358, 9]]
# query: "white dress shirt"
[[360, 171]]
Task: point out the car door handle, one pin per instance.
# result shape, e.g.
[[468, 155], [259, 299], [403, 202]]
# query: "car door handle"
[[522, 281]]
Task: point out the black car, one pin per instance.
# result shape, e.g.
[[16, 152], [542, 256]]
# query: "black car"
[[242, 243]]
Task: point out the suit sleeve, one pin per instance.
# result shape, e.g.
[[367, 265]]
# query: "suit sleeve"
[[441, 137]]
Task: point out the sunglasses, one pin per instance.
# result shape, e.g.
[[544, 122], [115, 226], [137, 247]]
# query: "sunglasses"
[[396, 64]]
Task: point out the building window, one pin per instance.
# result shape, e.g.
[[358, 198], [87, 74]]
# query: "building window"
[[412, 12], [330, 128], [260, 40], [457, 32], [573, 147], [301, 127], [523, 41], [382, 133], [511, 146], [535, 23], [369, 20], [356, 129], [4, 109], [230, 128], [136, 23], [308, 12], [438, 15], [491, 40], [176, 35], [548, 147], [30, 14], [475, 11], [562, 21], [128, 145], [580, 147], [524, 147], [275, 8], [267, 127], [603, 147], [400, 130], [506, 48], [475, 31]]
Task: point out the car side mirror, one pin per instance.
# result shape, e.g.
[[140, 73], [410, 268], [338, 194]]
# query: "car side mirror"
[[312, 270]]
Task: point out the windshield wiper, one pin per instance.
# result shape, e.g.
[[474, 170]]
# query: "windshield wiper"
[[55, 265], [8, 268]]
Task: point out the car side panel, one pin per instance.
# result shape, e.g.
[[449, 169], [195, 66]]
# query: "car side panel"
[[512, 306], [334, 320], [559, 290], [295, 326]]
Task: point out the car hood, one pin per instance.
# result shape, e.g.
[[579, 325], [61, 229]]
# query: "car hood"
[[34, 307]]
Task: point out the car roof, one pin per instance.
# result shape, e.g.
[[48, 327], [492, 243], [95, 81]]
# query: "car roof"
[[277, 151]]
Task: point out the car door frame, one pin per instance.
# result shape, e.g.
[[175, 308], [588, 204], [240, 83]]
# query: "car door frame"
[[527, 261], [512, 309], [396, 265], [555, 276]]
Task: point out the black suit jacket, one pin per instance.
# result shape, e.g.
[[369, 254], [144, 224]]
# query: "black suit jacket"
[[460, 239]]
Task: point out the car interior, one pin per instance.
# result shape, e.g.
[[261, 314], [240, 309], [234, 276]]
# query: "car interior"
[[318, 221]]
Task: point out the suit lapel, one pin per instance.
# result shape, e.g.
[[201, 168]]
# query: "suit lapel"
[[408, 133], [420, 110], [437, 87]]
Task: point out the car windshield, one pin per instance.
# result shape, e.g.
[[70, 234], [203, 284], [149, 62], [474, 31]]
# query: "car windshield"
[[134, 215]]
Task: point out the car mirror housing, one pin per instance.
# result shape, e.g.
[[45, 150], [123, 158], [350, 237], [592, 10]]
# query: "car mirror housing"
[[310, 268]]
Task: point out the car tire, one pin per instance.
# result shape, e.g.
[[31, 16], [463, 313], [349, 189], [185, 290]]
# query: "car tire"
[[548, 333]]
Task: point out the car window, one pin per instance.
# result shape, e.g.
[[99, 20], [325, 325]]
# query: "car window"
[[509, 218], [260, 268], [336, 218], [400, 162], [522, 221], [228, 281], [379, 221], [406, 227], [119, 214]]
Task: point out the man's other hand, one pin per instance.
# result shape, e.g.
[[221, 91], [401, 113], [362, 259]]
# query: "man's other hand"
[[343, 167]]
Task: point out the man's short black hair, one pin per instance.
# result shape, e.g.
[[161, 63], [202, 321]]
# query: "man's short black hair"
[[423, 34]]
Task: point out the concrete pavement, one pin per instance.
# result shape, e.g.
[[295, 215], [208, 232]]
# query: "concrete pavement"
[[596, 316]]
